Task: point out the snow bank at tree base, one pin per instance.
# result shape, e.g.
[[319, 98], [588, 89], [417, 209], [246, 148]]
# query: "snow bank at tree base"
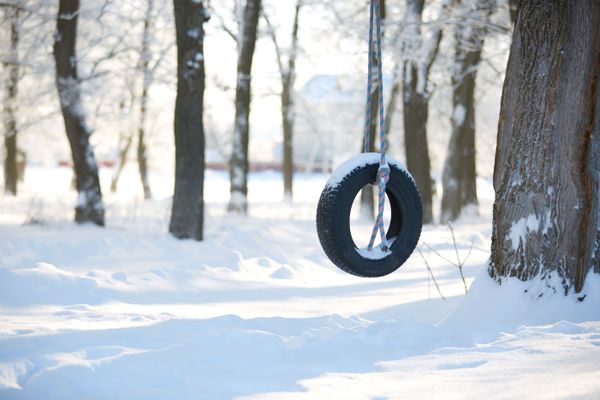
[[493, 307]]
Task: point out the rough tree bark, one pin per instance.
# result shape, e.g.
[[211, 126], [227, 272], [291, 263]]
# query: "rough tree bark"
[[187, 214], [547, 173], [142, 153], [460, 175], [239, 156], [415, 99], [89, 205], [11, 83]]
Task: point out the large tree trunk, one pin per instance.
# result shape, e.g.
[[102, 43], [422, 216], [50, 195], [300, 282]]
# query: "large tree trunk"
[[11, 82], [142, 153], [460, 174], [239, 156], [89, 205], [547, 172], [287, 108], [187, 215]]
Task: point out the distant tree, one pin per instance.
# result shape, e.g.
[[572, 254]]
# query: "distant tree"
[[187, 216], [125, 141], [10, 64], [144, 66], [547, 172], [460, 176], [89, 206], [415, 98], [246, 39], [140, 66], [287, 72]]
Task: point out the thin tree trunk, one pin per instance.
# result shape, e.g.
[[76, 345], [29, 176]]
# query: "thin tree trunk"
[[142, 154], [460, 175], [89, 205], [547, 173], [128, 139], [125, 141], [187, 215], [287, 108], [142, 158], [11, 82], [239, 156]]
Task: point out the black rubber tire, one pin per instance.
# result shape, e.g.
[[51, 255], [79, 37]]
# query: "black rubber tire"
[[333, 221]]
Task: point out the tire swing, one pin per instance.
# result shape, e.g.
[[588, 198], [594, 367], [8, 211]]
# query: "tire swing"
[[391, 178]]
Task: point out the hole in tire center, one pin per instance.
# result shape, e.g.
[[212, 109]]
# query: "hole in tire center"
[[361, 223]]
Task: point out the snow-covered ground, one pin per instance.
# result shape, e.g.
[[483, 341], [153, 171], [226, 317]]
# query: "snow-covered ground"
[[257, 311]]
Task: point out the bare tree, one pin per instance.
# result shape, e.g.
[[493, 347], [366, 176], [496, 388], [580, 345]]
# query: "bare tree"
[[10, 64], [187, 216], [460, 175], [287, 72], [89, 205], [415, 99], [547, 173], [239, 157], [145, 58], [133, 100], [125, 141]]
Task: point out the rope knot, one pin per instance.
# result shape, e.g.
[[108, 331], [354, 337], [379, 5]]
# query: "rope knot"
[[383, 173]]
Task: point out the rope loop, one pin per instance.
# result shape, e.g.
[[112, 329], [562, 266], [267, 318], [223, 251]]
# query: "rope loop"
[[383, 172], [383, 177]]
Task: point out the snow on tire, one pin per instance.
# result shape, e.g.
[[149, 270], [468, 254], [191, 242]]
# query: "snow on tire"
[[333, 217]]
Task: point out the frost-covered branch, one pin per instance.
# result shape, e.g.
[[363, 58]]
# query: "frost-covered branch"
[[273, 36]]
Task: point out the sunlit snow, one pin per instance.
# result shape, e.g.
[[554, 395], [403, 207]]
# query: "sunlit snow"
[[257, 311]]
